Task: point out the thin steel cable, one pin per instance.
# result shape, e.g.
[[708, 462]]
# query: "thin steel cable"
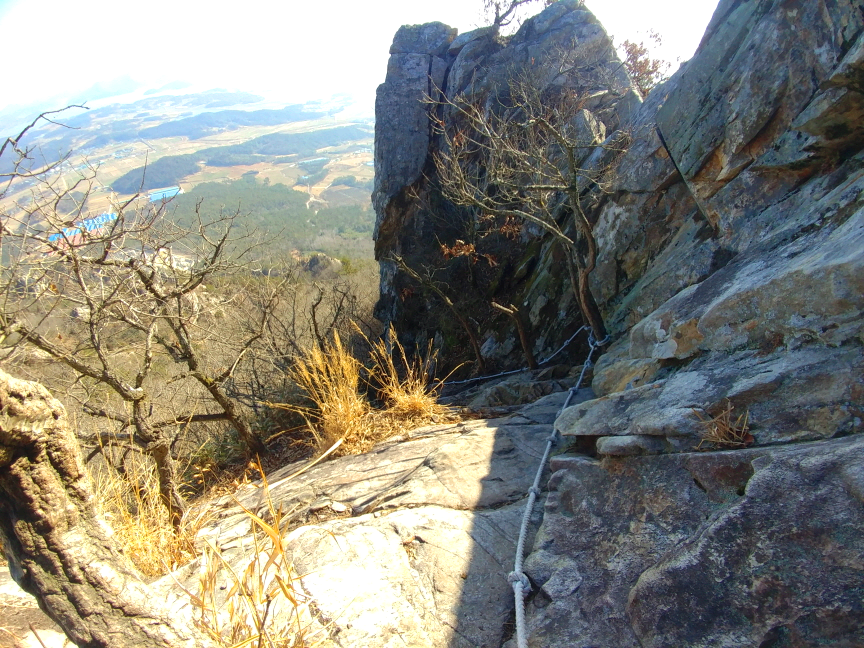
[[515, 371], [517, 578]]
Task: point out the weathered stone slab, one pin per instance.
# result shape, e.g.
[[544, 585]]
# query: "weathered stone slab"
[[783, 566], [811, 288], [810, 393], [754, 73], [464, 466], [703, 549], [546, 409], [427, 577], [409, 544], [628, 446]]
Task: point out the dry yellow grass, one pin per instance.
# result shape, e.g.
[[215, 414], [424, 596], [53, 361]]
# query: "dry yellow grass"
[[259, 605], [133, 509], [412, 394], [722, 432], [331, 379], [256, 605]]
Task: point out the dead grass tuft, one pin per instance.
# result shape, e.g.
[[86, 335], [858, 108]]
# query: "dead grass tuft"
[[331, 378], [412, 394], [132, 507], [721, 432], [258, 605]]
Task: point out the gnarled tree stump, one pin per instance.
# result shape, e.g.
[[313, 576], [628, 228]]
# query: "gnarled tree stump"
[[57, 548]]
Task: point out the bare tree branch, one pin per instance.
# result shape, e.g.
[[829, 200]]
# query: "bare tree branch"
[[532, 151], [429, 283]]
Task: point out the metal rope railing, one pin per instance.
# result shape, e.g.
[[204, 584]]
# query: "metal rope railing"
[[517, 578], [515, 371]]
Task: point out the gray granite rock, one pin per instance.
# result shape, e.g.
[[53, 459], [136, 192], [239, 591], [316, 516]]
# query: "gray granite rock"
[[415, 71], [710, 549], [432, 38], [784, 565], [423, 577], [409, 544], [412, 217], [791, 395], [628, 446], [810, 288], [767, 69], [463, 39]]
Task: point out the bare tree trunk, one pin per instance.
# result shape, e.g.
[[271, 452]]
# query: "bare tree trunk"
[[516, 316], [158, 447], [254, 446], [58, 550], [590, 311]]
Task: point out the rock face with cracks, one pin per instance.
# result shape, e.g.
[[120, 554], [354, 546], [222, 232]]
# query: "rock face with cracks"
[[755, 547], [414, 219], [730, 267]]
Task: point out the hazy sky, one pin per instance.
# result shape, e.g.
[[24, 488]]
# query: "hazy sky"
[[286, 49]]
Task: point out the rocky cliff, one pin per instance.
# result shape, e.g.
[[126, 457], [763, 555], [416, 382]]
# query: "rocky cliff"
[[507, 263], [709, 490], [731, 276]]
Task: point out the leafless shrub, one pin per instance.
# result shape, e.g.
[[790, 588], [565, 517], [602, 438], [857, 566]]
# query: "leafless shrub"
[[119, 299], [537, 151], [504, 12]]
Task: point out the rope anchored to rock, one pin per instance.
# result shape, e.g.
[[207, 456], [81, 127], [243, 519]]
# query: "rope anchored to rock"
[[517, 578], [515, 371]]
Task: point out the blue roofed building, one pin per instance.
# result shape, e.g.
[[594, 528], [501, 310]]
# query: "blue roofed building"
[[164, 194]]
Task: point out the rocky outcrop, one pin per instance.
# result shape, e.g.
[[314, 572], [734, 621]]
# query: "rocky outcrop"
[[407, 545], [801, 395], [763, 308], [756, 547], [416, 222], [731, 276], [418, 65], [745, 297]]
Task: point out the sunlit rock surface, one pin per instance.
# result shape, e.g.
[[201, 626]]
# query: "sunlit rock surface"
[[731, 276]]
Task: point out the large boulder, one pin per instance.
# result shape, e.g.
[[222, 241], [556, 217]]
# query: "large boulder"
[[755, 547]]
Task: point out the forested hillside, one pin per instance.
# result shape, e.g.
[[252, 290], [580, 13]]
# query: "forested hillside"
[[163, 172], [279, 212]]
